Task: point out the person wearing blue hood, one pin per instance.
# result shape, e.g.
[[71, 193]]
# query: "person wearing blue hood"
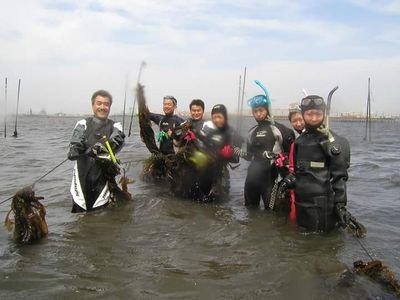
[[267, 142]]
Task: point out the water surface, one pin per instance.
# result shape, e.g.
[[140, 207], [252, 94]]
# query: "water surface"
[[162, 247]]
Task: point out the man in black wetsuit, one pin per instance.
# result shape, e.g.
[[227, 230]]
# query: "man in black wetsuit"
[[167, 123], [195, 123], [265, 141], [321, 160], [94, 173], [196, 114]]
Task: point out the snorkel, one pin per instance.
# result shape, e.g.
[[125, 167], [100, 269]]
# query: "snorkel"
[[262, 100], [328, 112]]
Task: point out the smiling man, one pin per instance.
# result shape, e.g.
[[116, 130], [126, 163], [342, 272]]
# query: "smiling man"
[[94, 174], [167, 123], [196, 114]]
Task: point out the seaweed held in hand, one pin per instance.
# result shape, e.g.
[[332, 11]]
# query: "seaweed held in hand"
[[146, 131], [29, 217]]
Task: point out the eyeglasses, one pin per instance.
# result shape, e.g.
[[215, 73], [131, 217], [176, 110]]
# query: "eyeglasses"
[[312, 101]]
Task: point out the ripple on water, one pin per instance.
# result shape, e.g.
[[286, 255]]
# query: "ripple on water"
[[161, 247]]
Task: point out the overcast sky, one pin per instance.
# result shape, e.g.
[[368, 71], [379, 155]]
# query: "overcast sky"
[[65, 50]]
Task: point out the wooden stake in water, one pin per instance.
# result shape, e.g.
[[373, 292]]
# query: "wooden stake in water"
[[16, 113], [242, 100], [370, 110], [5, 109], [368, 115], [123, 116], [238, 104]]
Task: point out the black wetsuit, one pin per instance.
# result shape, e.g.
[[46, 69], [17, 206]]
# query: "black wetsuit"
[[215, 178], [264, 140], [197, 125], [188, 185], [321, 175], [91, 177], [166, 123]]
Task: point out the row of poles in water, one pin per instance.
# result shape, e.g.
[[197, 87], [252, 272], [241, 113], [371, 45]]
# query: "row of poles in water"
[[15, 134], [368, 119]]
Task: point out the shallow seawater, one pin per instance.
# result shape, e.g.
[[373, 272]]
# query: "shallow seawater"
[[161, 247]]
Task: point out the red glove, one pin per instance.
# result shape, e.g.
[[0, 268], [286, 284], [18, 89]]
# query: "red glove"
[[190, 136], [226, 151], [281, 160]]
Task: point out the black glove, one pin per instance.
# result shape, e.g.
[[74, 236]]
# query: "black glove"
[[73, 154], [343, 215], [113, 170], [110, 169], [97, 149], [290, 181]]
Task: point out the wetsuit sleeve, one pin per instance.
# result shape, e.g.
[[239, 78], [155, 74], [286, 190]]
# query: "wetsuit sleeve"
[[117, 137], [178, 121], [156, 118], [77, 145], [204, 135], [339, 176], [237, 139], [287, 137], [234, 159], [249, 149]]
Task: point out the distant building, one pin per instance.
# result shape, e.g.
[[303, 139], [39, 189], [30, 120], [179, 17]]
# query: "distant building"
[[280, 112], [351, 115]]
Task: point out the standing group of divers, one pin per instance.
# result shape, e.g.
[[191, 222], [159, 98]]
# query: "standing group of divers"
[[309, 161]]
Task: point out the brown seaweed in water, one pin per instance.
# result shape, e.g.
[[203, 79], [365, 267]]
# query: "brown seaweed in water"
[[124, 181], [378, 272], [29, 217], [154, 168]]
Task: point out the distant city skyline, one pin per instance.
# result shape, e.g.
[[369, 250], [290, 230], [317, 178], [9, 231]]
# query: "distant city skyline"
[[65, 50]]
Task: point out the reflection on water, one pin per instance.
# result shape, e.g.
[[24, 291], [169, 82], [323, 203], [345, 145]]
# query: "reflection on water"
[[161, 247]]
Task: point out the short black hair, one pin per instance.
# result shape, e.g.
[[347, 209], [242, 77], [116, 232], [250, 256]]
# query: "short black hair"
[[172, 98], [101, 93], [197, 102]]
